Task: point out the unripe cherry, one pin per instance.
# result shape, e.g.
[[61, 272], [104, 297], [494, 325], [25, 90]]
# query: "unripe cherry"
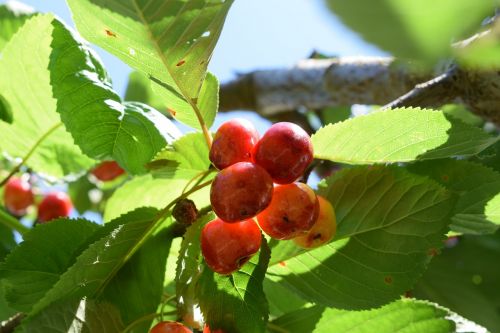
[[233, 143], [241, 191], [292, 211], [17, 196], [170, 327], [228, 246], [323, 229], [54, 205], [285, 151]]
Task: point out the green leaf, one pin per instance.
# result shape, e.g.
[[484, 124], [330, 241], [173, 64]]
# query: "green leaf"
[[390, 222], [189, 269], [481, 53], [186, 158], [139, 90], [402, 316], [5, 110], [79, 194], [137, 288], [398, 135], [477, 210], [36, 130], [281, 300], [146, 191], [99, 263], [7, 241], [461, 112], [415, 29], [35, 265], [464, 279], [236, 303], [171, 41], [82, 316], [12, 17], [103, 127]]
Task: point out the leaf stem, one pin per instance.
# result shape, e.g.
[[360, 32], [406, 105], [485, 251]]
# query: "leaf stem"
[[30, 152], [11, 222], [204, 128]]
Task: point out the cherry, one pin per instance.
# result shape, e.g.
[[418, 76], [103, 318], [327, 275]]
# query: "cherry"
[[107, 171], [323, 229], [285, 151], [228, 246], [170, 327], [53, 205], [241, 191], [206, 329], [292, 211], [233, 142], [17, 196]]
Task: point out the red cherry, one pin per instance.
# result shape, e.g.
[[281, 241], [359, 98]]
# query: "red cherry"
[[292, 211], [170, 327], [285, 151], [54, 205], [228, 246], [233, 142], [241, 191], [323, 229], [206, 329], [17, 196], [107, 171]]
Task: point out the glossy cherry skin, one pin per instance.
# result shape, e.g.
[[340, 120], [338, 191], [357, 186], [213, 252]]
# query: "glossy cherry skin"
[[170, 327], [241, 191], [233, 142], [292, 211], [228, 246], [17, 196], [206, 329], [107, 171], [285, 151], [323, 229], [54, 205]]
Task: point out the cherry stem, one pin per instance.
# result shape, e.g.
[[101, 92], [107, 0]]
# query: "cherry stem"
[[204, 128], [12, 223], [276, 328], [202, 175], [140, 320]]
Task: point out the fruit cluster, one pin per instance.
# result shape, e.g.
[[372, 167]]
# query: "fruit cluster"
[[258, 178]]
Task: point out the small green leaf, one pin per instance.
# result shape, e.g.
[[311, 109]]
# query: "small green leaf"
[[390, 223], [103, 127], [236, 303], [477, 210], [5, 110], [35, 265], [12, 17], [464, 278], [85, 316], [414, 29], [399, 135], [186, 158], [99, 263], [170, 41], [400, 316], [25, 86]]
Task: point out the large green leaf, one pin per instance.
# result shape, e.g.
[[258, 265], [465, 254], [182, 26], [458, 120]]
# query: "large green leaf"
[[45, 253], [171, 41], [139, 90], [399, 135], [465, 279], [236, 303], [36, 131], [82, 316], [186, 158], [416, 29], [99, 263], [390, 223], [12, 17], [404, 316], [477, 211], [129, 133], [137, 288]]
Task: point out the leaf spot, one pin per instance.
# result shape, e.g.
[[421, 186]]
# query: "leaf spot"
[[180, 63], [388, 279], [110, 33]]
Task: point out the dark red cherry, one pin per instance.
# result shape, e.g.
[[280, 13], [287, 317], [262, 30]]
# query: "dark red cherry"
[[292, 211], [228, 246], [241, 191], [285, 151], [233, 142]]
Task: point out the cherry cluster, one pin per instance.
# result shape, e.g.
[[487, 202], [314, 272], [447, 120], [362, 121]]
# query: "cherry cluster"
[[19, 194], [258, 180]]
